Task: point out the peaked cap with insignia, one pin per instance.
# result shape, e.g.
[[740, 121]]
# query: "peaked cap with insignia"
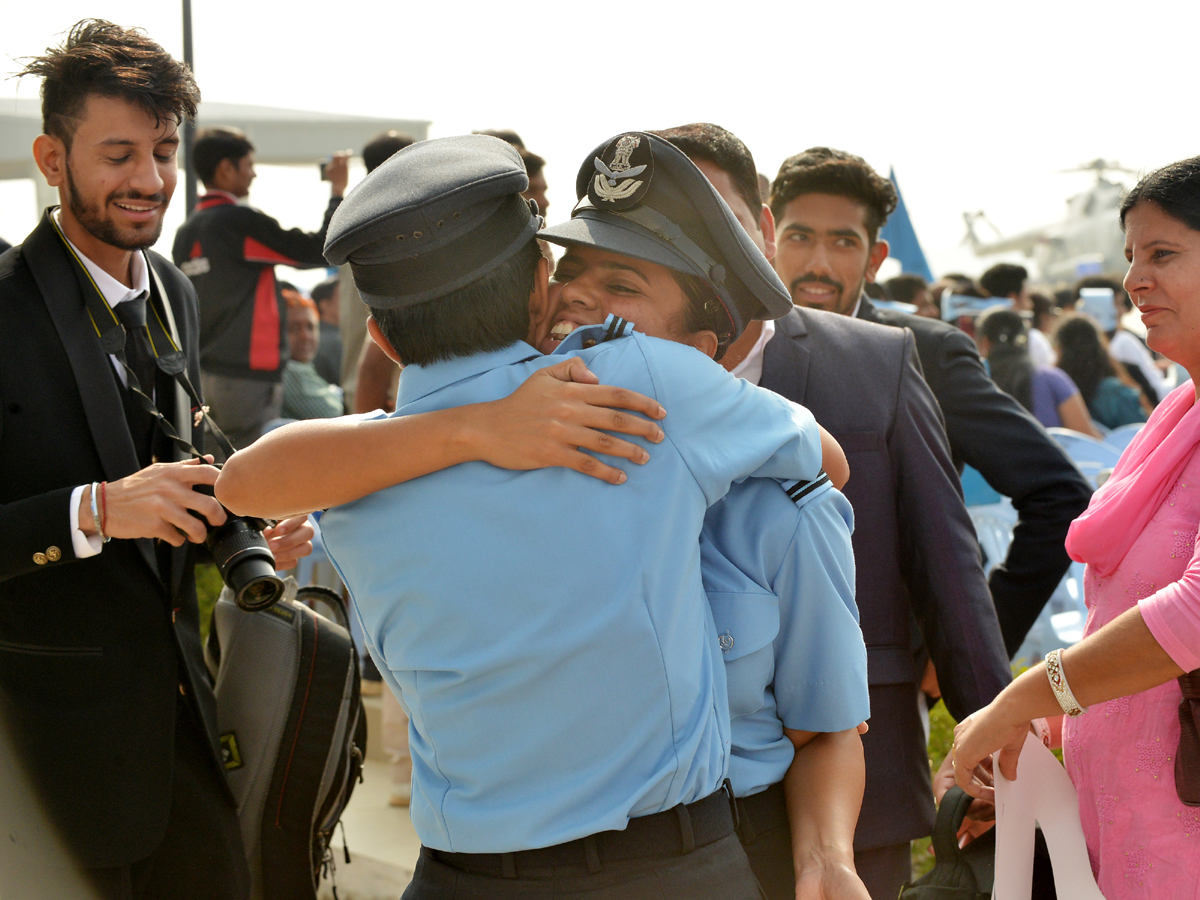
[[435, 217], [641, 196]]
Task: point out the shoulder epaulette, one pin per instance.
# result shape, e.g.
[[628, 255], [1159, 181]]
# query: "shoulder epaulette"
[[797, 491]]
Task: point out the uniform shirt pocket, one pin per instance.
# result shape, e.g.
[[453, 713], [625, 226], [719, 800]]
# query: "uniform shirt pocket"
[[747, 625]]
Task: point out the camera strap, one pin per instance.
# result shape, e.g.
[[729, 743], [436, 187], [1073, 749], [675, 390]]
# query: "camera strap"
[[168, 358]]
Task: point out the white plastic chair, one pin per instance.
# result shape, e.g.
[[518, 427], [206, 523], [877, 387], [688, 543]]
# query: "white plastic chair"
[[994, 523], [1060, 623], [1093, 457]]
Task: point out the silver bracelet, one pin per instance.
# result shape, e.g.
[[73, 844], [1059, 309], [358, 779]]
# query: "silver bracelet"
[[96, 512], [1058, 684]]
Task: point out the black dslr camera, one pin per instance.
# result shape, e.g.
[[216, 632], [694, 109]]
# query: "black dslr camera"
[[244, 559]]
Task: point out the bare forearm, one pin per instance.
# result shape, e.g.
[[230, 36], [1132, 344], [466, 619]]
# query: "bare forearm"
[[326, 462], [824, 789], [1120, 659]]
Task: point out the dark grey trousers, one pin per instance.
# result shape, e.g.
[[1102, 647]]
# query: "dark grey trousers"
[[241, 406], [718, 871]]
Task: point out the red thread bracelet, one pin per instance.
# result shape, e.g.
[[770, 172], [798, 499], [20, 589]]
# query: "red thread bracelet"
[[103, 507]]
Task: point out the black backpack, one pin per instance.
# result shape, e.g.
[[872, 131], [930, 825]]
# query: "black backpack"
[[968, 873], [293, 732]]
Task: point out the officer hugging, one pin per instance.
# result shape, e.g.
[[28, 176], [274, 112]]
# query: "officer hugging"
[[550, 635]]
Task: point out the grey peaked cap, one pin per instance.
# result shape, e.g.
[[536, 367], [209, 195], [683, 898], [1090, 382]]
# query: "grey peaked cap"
[[435, 217], [680, 222]]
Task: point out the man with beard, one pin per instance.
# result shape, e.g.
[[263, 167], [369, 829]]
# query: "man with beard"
[[829, 206], [104, 697], [914, 548]]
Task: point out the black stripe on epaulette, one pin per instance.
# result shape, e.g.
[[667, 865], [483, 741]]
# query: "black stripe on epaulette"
[[614, 328], [802, 489]]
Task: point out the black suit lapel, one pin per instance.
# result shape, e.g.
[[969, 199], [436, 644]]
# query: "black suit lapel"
[[867, 311], [55, 274], [786, 359]]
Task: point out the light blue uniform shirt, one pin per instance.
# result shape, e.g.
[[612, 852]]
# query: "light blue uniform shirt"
[[779, 574], [548, 634]]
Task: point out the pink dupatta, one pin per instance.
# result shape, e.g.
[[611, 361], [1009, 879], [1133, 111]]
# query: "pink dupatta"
[[1143, 477]]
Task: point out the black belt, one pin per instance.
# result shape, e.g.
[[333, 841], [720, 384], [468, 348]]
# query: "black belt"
[[762, 813], [673, 832]]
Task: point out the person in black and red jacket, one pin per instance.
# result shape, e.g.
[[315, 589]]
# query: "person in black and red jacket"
[[230, 252]]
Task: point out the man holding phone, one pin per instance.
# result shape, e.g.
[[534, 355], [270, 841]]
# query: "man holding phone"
[[230, 251]]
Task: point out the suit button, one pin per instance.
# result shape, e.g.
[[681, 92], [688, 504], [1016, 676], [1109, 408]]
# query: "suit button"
[[53, 554], [182, 690], [726, 641], [39, 558]]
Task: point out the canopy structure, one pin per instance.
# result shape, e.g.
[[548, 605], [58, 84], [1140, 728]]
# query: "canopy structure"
[[280, 136]]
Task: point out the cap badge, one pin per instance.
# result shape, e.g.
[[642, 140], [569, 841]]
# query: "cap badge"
[[616, 182]]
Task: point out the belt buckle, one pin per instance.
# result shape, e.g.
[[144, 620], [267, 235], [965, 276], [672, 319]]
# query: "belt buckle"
[[727, 787]]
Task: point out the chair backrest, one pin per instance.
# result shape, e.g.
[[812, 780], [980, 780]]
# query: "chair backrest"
[[1083, 448], [1094, 458], [1120, 437], [994, 523]]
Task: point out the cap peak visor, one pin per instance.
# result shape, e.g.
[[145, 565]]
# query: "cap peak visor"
[[613, 234]]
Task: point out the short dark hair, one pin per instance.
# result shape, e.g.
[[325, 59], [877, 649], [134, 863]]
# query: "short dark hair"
[[324, 290], [704, 310], [1008, 360], [1175, 189], [383, 147], [485, 315], [103, 59], [905, 288], [533, 163], [821, 170], [1004, 279], [725, 150], [1043, 308], [214, 145]]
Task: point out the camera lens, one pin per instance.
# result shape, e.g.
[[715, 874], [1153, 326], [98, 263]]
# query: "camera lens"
[[244, 559], [246, 563]]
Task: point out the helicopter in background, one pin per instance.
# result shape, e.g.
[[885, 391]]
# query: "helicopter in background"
[[1089, 241]]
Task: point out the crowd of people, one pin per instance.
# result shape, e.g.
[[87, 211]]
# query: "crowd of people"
[[661, 546]]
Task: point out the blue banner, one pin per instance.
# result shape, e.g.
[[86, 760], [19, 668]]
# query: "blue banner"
[[902, 237]]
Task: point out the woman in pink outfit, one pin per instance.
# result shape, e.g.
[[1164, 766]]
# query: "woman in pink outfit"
[[1139, 540]]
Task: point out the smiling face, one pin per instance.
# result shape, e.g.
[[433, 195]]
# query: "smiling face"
[[1164, 282], [115, 181], [237, 175], [824, 253], [302, 331], [589, 284]]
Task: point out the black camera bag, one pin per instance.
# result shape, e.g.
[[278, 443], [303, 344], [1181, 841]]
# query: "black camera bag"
[[293, 732]]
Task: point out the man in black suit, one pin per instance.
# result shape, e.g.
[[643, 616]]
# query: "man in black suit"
[[106, 711], [829, 206], [915, 551]]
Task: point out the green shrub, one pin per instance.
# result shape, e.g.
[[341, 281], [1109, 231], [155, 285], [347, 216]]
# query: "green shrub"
[[941, 733], [208, 587]]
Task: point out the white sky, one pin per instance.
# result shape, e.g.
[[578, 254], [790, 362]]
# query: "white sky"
[[976, 105]]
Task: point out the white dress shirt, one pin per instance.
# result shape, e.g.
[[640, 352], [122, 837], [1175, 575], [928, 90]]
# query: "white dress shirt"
[[114, 292], [751, 367]]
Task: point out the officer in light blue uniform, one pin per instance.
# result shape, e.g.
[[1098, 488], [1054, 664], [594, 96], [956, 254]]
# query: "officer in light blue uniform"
[[779, 573], [549, 638], [778, 568]]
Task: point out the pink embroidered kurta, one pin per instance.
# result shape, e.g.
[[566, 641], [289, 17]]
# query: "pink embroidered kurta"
[[1142, 841]]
